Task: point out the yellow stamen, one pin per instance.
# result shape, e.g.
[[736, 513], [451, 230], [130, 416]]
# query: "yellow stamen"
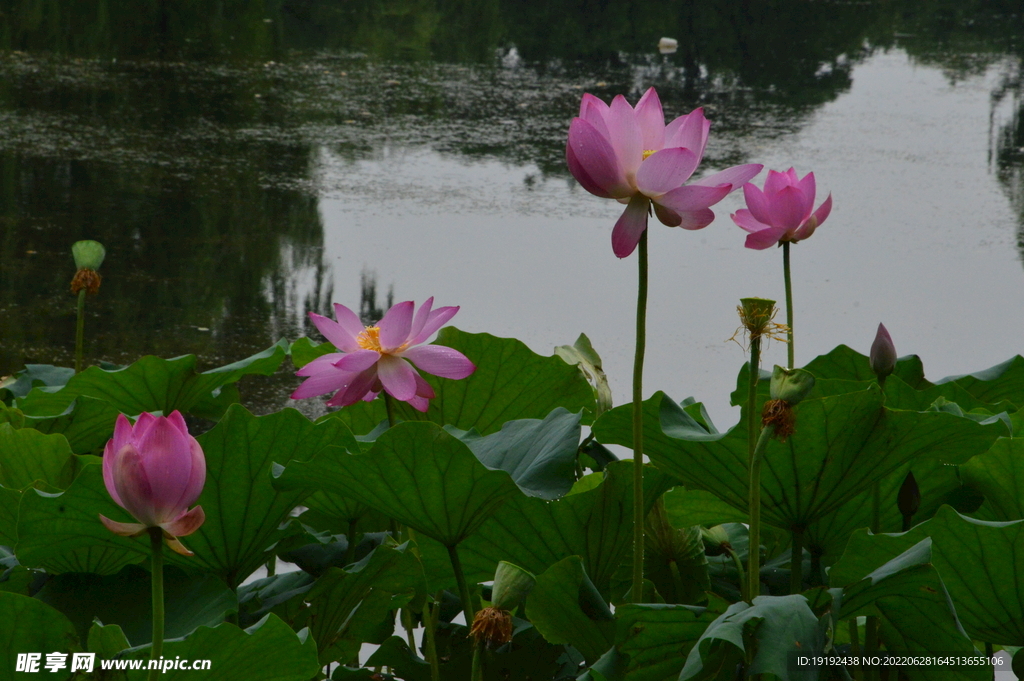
[[369, 339], [648, 152]]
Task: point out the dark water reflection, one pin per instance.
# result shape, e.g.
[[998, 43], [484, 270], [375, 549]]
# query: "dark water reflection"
[[192, 144]]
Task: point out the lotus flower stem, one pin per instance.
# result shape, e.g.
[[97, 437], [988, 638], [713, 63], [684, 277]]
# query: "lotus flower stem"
[[754, 503], [855, 646], [389, 405], [429, 637], [477, 673], [156, 540], [80, 331], [796, 563], [789, 303], [754, 489], [638, 425], [460, 578], [739, 571]]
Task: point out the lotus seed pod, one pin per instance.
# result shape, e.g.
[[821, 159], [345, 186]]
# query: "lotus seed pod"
[[88, 254], [511, 585], [791, 385], [756, 314]]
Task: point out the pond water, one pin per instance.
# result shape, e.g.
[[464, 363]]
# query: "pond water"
[[245, 168]]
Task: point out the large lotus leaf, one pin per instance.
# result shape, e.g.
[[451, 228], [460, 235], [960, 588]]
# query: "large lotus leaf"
[[916, 615], [778, 627], [243, 510], [267, 651], [87, 423], [28, 456], [1004, 381], [566, 607], [124, 599], [998, 474], [63, 533], [674, 559], [107, 641], [280, 594], [936, 481], [36, 628], [845, 363], [686, 507], [9, 502], [151, 384], [841, 370], [595, 524], [842, 445], [341, 602], [510, 382], [656, 638], [34, 375], [415, 473], [540, 455], [978, 561]]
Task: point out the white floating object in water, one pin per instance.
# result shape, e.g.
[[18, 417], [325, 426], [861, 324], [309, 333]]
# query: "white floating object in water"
[[668, 45]]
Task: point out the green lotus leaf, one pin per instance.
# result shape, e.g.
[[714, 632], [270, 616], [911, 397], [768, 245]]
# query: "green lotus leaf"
[[107, 641], [151, 384], [510, 382], [39, 629], [267, 650], [540, 455], [827, 537], [415, 473], [87, 424], [566, 607], [28, 457], [978, 562], [656, 638], [843, 444], [777, 627], [243, 510], [63, 533], [1004, 381], [595, 524], [125, 599], [348, 605], [999, 475], [916, 616]]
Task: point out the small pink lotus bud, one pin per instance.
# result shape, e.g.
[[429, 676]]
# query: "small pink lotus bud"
[[155, 470], [883, 353]]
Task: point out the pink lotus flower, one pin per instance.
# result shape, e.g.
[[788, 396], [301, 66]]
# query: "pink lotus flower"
[[782, 212], [155, 470], [630, 155], [377, 358]]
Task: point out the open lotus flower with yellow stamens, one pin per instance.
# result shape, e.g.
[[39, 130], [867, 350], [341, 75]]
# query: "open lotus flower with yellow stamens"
[[629, 154], [155, 470], [376, 358]]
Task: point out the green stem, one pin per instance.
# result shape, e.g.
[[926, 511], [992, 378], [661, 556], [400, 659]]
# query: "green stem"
[[389, 404], [789, 302], [754, 509], [407, 624], [80, 331], [871, 646], [460, 578], [477, 673], [638, 426], [754, 488], [796, 561], [429, 637], [739, 569], [272, 566], [156, 542], [855, 646]]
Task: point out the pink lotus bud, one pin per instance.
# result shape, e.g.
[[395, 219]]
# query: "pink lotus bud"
[[155, 470], [883, 354]]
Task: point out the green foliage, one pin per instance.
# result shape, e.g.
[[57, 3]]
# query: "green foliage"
[[510, 382], [39, 628]]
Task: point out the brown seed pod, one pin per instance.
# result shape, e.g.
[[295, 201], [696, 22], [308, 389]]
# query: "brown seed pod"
[[86, 279], [493, 625]]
